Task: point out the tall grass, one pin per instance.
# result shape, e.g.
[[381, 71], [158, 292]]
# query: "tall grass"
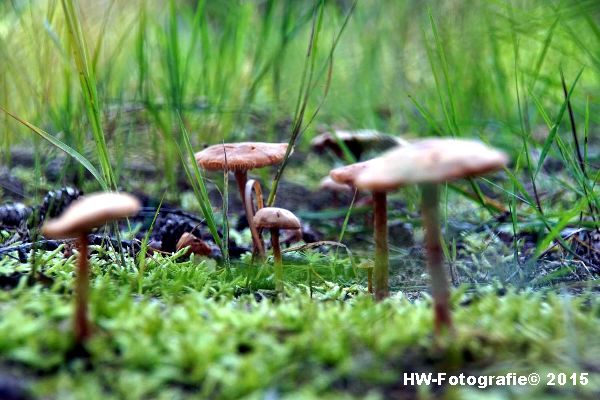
[[87, 77], [186, 154], [308, 82]]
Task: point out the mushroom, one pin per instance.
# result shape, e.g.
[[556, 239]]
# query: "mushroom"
[[347, 175], [239, 158], [357, 142], [274, 219], [194, 244], [429, 162], [329, 184], [83, 215], [335, 188]]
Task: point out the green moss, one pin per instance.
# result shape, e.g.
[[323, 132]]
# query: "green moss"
[[193, 334]]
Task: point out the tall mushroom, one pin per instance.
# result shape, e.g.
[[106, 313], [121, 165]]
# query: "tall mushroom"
[[274, 219], [77, 221], [239, 158], [347, 175], [428, 163]]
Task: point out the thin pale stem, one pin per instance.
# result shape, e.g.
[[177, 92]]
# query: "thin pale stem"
[[440, 290], [254, 185], [380, 272], [81, 323], [277, 258]]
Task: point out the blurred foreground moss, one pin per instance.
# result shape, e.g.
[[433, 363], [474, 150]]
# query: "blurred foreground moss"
[[199, 332]]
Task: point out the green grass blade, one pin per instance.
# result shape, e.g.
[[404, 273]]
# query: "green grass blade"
[[141, 257], [451, 114], [543, 53], [307, 87], [197, 181], [88, 86], [550, 139], [64, 147]]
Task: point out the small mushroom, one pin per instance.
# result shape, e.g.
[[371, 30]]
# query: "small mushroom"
[[427, 163], [83, 215], [358, 142], [274, 219], [335, 188], [329, 184], [347, 175], [239, 158], [195, 245]]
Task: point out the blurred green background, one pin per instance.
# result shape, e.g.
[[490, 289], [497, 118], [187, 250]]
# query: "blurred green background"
[[234, 70]]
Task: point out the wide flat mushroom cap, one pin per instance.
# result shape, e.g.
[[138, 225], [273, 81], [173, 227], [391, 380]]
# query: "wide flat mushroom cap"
[[347, 174], [90, 212], [276, 218], [327, 138], [431, 160], [360, 136], [241, 156]]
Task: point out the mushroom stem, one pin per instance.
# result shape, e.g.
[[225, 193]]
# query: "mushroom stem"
[[82, 326], [381, 245], [277, 258], [241, 176], [247, 196], [435, 260]]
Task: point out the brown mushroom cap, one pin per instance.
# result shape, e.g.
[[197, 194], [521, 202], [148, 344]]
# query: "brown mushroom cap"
[[329, 184], [90, 212], [276, 218], [365, 137], [241, 156], [195, 244], [432, 160], [347, 174]]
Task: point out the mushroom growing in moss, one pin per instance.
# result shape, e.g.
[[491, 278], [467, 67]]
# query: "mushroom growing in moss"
[[329, 185], [77, 221], [428, 163], [239, 158], [347, 175], [194, 244], [274, 219]]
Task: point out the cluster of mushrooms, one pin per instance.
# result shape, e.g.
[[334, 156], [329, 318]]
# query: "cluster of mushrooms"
[[426, 163]]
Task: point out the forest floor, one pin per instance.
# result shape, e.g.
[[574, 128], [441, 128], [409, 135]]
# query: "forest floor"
[[171, 326]]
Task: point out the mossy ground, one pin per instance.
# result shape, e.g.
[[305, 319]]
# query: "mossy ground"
[[234, 70], [191, 329]]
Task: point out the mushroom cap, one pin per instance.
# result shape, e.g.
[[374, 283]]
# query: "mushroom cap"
[[195, 244], [432, 160], [329, 184], [89, 212], [347, 174], [241, 156], [276, 218], [364, 136], [357, 142]]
